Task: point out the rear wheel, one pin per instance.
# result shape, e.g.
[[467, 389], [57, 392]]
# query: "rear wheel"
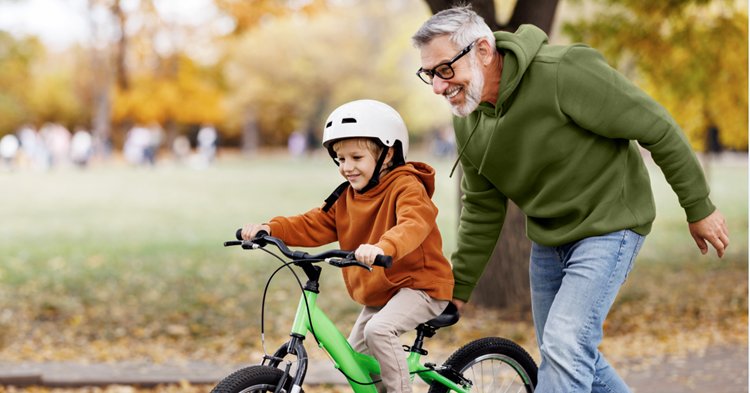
[[492, 364], [252, 379]]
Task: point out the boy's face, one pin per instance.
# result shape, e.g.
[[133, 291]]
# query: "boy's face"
[[356, 162]]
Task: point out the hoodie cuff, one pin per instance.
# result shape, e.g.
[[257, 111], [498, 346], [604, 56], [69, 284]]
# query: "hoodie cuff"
[[387, 248], [277, 230], [699, 210], [462, 291]]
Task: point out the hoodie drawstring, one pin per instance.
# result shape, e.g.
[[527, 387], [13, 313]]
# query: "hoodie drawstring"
[[463, 148]]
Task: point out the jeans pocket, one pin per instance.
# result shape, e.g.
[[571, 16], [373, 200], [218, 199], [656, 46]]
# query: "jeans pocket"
[[633, 247]]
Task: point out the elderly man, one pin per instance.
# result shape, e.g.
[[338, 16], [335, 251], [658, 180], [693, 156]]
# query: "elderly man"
[[556, 130]]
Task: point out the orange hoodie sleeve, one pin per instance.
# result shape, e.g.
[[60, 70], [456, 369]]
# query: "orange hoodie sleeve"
[[415, 218], [311, 229]]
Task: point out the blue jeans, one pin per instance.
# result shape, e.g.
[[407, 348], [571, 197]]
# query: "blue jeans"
[[573, 287]]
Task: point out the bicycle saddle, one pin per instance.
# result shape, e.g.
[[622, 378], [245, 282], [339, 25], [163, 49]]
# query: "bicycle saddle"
[[449, 317]]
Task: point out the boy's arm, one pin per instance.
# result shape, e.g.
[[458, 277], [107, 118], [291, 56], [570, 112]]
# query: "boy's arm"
[[415, 219], [310, 229]]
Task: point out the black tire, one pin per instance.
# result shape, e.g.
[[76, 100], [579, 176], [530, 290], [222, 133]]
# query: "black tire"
[[251, 380], [500, 362]]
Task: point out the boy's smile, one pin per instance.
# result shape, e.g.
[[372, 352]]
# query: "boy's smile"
[[356, 162]]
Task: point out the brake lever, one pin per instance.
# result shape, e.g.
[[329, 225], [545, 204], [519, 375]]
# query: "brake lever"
[[250, 244]]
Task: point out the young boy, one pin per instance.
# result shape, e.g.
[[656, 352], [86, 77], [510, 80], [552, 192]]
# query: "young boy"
[[384, 207]]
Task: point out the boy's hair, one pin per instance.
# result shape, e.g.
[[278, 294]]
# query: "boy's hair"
[[462, 25], [368, 143]]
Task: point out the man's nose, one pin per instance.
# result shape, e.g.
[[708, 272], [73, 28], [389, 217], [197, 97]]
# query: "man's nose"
[[439, 85]]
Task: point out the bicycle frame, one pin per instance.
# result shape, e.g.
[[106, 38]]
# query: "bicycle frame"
[[355, 365], [359, 367]]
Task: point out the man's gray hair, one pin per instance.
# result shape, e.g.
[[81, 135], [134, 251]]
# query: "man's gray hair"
[[462, 25]]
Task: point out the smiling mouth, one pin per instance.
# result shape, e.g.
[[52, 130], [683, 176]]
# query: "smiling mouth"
[[452, 92]]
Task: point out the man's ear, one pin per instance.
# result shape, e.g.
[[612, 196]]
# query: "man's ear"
[[485, 51]]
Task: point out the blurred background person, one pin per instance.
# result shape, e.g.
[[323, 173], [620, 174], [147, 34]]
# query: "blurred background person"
[[81, 148], [181, 149], [8, 150], [207, 141]]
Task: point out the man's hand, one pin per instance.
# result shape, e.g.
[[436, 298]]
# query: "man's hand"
[[366, 253], [712, 229], [459, 304]]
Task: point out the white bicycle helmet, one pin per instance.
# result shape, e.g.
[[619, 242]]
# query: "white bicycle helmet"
[[367, 119]]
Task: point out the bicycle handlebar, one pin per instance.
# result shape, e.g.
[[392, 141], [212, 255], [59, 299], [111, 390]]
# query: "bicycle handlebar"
[[338, 258]]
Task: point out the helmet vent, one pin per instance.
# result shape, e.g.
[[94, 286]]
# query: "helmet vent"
[[348, 120], [330, 123]]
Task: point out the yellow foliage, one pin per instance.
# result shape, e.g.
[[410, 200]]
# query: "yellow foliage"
[[291, 73], [691, 56], [185, 98]]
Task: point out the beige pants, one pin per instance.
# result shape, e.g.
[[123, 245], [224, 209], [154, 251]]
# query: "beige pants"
[[377, 329]]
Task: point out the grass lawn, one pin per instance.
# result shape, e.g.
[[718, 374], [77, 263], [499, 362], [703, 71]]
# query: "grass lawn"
[[116, 263]]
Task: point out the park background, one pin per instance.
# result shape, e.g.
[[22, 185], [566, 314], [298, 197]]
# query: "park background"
[[118, 257]]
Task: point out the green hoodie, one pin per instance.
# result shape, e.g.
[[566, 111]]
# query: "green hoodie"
[[561, 144]]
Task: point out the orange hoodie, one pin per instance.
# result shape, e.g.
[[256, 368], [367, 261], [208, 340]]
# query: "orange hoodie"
[[398, 216]]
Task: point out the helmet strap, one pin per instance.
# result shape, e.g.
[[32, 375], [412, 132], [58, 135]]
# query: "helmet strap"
[[375, 178], [335, 195]]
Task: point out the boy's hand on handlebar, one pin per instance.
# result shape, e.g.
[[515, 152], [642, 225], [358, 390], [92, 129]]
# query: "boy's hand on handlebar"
[[250, 230], [366, 253]]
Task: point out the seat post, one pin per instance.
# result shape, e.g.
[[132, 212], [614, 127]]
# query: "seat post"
[[423, 330]]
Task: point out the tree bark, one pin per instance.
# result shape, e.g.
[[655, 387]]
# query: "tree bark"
[[485, 8], [505, 282], [250, 134], [537, 12], [122, 47]]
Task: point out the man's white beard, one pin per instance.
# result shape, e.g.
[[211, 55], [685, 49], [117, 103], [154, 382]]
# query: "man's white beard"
[[472, 92]]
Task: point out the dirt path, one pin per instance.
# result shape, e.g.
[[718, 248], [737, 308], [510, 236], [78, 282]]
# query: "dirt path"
[[721, 369]]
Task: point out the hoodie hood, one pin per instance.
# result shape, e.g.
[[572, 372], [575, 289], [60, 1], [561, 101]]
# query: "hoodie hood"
[[518, 51], [424, 172]]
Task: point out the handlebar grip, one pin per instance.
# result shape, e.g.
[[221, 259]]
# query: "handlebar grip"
[[260, 233], [383, 260]]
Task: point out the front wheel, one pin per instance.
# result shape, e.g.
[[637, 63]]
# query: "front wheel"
[[251, 380], [492, 364]]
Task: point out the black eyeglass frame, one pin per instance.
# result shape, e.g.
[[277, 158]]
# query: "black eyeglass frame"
[[430, 74]]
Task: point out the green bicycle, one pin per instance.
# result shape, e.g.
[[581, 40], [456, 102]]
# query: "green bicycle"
[[489, 364]]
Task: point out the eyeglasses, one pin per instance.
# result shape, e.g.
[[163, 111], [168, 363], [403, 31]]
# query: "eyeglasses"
[[443, 70]]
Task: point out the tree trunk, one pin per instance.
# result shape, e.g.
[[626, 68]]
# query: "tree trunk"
[[537, 12], [122, 48], [485, 8], [250, 134], [505, 282]]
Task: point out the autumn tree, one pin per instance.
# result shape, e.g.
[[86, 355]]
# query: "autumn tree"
[[146, 72], [291, 72], [247, 115], [17, 57], [689, 55]]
